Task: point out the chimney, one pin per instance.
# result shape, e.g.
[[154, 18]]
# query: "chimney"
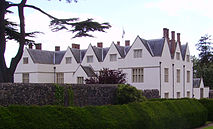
[[57, 48], [127, 42], [77, 46], [38, 46], [178, 38], [166, 33], [173, 42], [118, 43], [100, 44], [30, 46]]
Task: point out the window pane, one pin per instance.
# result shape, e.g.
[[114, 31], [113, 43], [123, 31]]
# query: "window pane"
[[138, 53], [68, 60], [25, 77], [113, 57], [25, 60], [137, 75], [178, 75], [188, 76], [89, 59], [80, 80], [60, 77], [166, 75], [178, 55]]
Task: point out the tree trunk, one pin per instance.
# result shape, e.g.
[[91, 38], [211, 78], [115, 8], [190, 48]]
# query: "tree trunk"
[[7, 74], [3, 67]]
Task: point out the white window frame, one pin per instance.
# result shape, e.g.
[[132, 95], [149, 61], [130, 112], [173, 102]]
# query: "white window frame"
[[90, 59], [25, 78], [166, 74], [188, 76], [166, 95], [178, 75], [178, 94], [113, 57], [80, 80], [68, 60], [60, 78], [188, 94], [187, 58], [25, 60], [178, 55], [137, 75], [138, 53]]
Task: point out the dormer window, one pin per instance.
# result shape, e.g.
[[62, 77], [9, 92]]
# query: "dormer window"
[[68, 60], [113, 57], [178, 55], [187, 58], [25, 60], [89, 59], [137, 53]]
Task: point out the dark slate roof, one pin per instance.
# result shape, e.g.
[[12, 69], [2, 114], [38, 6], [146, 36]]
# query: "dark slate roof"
[[126, 49], [89, 71], [98, 53], [105, 51], [59, 56], [156, 46], [78, 54], [183, 50], [121, 50], [147, 46], [46, 57], [196, 82]]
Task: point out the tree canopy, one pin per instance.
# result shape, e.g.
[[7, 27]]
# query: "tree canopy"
[[8, 31], [203, 66]]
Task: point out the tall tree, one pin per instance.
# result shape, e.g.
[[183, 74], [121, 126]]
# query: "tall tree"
[[203, 66], [205, 48], [79, 28]]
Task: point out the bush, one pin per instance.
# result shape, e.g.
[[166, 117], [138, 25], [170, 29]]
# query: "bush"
[[208, 103], [168, 114], [127, 93]]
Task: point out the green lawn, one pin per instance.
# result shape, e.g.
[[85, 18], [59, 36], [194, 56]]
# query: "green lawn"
[[209, 127]]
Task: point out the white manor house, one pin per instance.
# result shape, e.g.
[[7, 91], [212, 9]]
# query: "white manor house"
[[162, 64]]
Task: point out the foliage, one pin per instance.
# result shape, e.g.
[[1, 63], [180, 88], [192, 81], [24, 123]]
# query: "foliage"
[[127, 93], [71, 96], [59, 94], [205, 48], [9, 31], [208, 103], [107, 76], [168, 114], [203, 66]]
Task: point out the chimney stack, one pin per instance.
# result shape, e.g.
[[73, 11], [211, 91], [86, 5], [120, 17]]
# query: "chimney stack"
[[127, 42], [57, 48], [77, 46], [166, 33], [118, 43], [100, 44], [173, 44], [178, 38], [30, 46], [38, 46]]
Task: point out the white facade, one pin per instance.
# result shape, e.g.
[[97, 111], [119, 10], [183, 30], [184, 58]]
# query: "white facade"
[[148, 64], [199, 90]]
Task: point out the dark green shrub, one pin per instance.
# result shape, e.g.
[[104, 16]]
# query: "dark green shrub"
[[208, 103], [168, 114], [127, 93]]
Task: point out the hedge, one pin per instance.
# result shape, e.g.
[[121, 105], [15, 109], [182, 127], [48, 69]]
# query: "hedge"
[[175, 114], [208, 103]]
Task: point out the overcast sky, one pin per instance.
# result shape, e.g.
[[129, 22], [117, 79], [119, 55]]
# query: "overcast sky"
[[146, 18]]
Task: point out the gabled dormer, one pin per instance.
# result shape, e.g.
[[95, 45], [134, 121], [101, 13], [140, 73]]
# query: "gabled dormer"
[[139, 49], [177, 53], [185, 53], [92, 55]]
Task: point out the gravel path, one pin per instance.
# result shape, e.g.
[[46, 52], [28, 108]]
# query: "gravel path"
[[208, 125]]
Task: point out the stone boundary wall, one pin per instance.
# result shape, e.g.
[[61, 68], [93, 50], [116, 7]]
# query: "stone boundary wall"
[[45, 94]]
